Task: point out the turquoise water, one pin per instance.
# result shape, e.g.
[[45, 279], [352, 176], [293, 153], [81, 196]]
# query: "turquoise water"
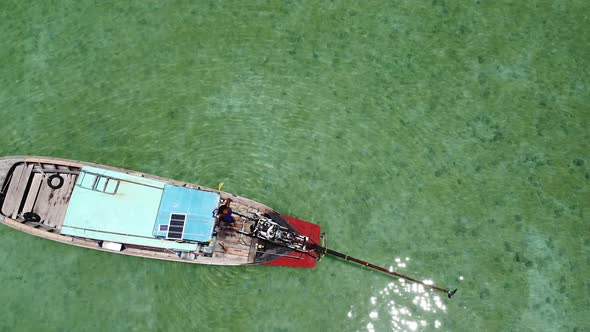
[[444, 139]]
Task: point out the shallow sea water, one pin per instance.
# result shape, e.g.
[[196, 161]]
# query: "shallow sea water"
[[447, 140]]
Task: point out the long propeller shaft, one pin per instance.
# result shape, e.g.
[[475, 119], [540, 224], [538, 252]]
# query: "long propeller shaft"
[[328, 251]]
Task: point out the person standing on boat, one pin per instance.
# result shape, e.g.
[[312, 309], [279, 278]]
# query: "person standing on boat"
[[224, 213]]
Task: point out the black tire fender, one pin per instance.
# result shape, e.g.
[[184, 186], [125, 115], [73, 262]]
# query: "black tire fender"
[[31, 216], [60, 181]]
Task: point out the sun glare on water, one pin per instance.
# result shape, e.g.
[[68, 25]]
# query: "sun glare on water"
[[405, 305]]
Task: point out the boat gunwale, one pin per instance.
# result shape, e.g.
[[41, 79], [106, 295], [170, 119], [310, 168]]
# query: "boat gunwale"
[[93, 244]]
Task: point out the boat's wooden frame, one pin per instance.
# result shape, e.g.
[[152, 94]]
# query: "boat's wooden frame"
[[232, 247]]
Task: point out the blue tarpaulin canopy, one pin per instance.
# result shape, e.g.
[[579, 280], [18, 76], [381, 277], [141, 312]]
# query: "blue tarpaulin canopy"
[[114, 206], [186, 214]]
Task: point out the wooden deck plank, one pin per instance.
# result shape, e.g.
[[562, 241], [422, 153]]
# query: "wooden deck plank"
[[65, 193], [19, 193], [10, 200], [41, 206], [53, 201], [33, 192], [52, 204], [46, 166], [236, 247], [237, 252]]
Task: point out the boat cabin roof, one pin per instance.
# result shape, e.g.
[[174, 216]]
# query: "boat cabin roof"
[[119, 207]]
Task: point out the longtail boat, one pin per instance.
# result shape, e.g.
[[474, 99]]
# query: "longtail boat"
[[131, 213]]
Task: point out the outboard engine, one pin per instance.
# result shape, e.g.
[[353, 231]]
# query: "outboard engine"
[[266, 229]]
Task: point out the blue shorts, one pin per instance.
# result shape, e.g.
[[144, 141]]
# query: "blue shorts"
[[228, 217]]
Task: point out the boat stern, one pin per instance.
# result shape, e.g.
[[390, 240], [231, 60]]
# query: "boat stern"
[[300, 259]]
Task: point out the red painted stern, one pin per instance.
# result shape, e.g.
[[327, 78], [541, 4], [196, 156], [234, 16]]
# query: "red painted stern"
[[300, 259]]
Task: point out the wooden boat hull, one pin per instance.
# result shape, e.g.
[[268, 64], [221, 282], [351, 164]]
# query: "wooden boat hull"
[[54, 190]]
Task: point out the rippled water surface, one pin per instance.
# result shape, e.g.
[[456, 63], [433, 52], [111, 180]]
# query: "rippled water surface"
[[446, 140]]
